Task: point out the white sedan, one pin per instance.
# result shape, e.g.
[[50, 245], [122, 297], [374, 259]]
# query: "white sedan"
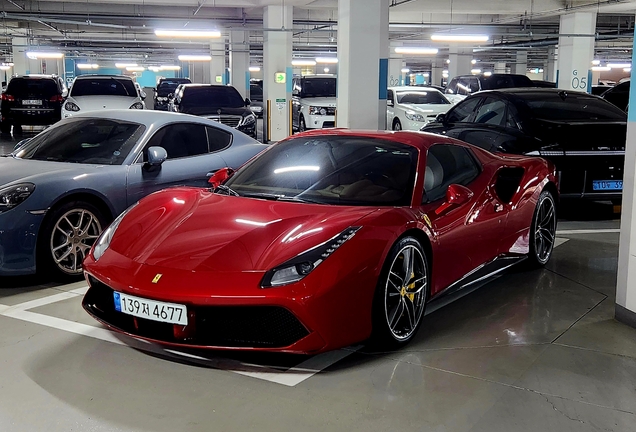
[[99, 92], [411, 108]]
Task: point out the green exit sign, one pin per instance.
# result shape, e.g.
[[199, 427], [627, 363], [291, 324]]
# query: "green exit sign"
[[280, 77]]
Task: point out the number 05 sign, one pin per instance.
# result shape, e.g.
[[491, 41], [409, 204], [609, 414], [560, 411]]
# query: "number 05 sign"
[[579, 82]]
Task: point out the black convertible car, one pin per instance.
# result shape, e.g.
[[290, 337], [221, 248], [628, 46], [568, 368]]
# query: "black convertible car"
[[582, 134]]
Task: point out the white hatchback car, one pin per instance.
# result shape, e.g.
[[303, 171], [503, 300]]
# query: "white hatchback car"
[[411, 108], [99, 92]]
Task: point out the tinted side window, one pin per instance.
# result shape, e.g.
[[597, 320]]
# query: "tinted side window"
[[218, 139], [473, 84], [492, 111], [181, 140], [462, 111], [451, 88], [447, 164]]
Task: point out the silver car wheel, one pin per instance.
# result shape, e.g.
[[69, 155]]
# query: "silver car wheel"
[[72, 237], [545, 229]]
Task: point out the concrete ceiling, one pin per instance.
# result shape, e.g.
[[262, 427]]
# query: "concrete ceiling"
[[120, 28]]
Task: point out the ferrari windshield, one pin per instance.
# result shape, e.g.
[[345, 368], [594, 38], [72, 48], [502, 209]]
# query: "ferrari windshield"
[[332, 169], [87, 140]]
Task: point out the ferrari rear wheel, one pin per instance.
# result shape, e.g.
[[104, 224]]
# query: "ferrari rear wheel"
[[543, 230], [401, 294]]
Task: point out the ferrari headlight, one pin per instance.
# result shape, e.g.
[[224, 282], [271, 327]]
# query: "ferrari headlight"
[[414, 116], [103, 242], [13, 195], [314, 110], [297, 268]]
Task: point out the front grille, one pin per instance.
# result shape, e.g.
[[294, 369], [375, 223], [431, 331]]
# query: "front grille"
[[328, 124], [228, 120], [222, 326]]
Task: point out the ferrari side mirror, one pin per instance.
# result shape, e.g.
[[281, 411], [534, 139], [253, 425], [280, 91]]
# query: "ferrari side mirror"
[[456, 195], [219, 177]]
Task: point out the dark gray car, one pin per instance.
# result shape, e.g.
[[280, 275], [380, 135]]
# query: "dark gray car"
[[59, 190]]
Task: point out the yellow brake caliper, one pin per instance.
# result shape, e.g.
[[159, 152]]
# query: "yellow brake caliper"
[[411, 296]]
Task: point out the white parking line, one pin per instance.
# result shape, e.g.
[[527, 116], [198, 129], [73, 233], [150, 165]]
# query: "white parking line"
[[589, 231], [290, 377]]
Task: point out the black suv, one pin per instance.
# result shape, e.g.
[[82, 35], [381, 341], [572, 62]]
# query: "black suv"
[[468, 84], [165, 89], [217, 102], [32, 100]]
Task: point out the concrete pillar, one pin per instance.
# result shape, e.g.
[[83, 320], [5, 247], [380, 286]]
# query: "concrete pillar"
[[20, 60], [576, 52], [396, 76], [240, 61], [199, 72], [277, 55], [521, 63], [436, 71], [460, 61], [363, 50], [218, 71], [500, 68], [626, 279], [550, 67]]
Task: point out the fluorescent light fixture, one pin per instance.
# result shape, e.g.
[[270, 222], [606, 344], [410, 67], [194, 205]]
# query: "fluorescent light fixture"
[[459, 38], [416, 50], [188, 57], [87, 66], [125, 65], [447, 61], [303, 63], [8, 64], [475, 71], [596, 62], [326, 70], [329, 60], [188, 33], [405, 70], [135, 68], [627, 69], [255, 69], [44, 55], [297, 168], [487, 73], [154, 68], [426, 74], [619, 65], [473, 61], [601, 68], [5, 67], [170, 67]]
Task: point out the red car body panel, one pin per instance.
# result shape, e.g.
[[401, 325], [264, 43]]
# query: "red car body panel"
[[214, 250]]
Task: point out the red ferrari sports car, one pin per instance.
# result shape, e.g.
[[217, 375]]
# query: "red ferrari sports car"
[[323, 240]]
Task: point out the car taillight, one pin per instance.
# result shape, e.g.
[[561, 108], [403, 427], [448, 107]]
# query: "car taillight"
[[6, 97], [56, 98]]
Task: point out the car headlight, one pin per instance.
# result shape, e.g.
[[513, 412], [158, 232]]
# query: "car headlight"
[[256, 108], [71, 106], [297, 268], [137, 105], [103, 242], [162, 99], [249, 119], [314, 110], [13, 195], [414, 116]]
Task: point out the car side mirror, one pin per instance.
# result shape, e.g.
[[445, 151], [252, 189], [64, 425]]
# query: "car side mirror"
[[156, 156], [248, 102], [441, 118], [220, 176], [389, 102], [143, 95], [65, 93], [456, 195]]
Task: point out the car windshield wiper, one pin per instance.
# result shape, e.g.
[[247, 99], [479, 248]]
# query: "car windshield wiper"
[[228, 190], [273, 197]]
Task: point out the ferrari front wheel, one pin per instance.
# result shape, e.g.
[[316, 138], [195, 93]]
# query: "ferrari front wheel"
[[543, 230], [401, 294]]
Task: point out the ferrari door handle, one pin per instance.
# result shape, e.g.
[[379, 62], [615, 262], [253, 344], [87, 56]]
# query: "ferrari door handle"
[[498, 207]]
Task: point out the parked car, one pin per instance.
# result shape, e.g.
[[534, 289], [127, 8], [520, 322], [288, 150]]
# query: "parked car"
[[410, 108], [313, 102], [583, 135], [100, 92], [273, 258], [165, 89], [543, 84], [618, 95], [256, 96], [32, 100], [220, 103], [60, 189], [598, 90], [464, 85]]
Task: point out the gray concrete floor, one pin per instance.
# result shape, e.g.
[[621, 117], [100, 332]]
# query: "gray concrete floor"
[[531, 351]]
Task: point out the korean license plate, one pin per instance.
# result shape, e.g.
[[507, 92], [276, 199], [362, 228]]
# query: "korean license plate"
[[602, 185], [32, 102], [150, 309]]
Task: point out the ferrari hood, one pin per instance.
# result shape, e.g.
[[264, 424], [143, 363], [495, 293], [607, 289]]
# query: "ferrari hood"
[[196, 230]]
